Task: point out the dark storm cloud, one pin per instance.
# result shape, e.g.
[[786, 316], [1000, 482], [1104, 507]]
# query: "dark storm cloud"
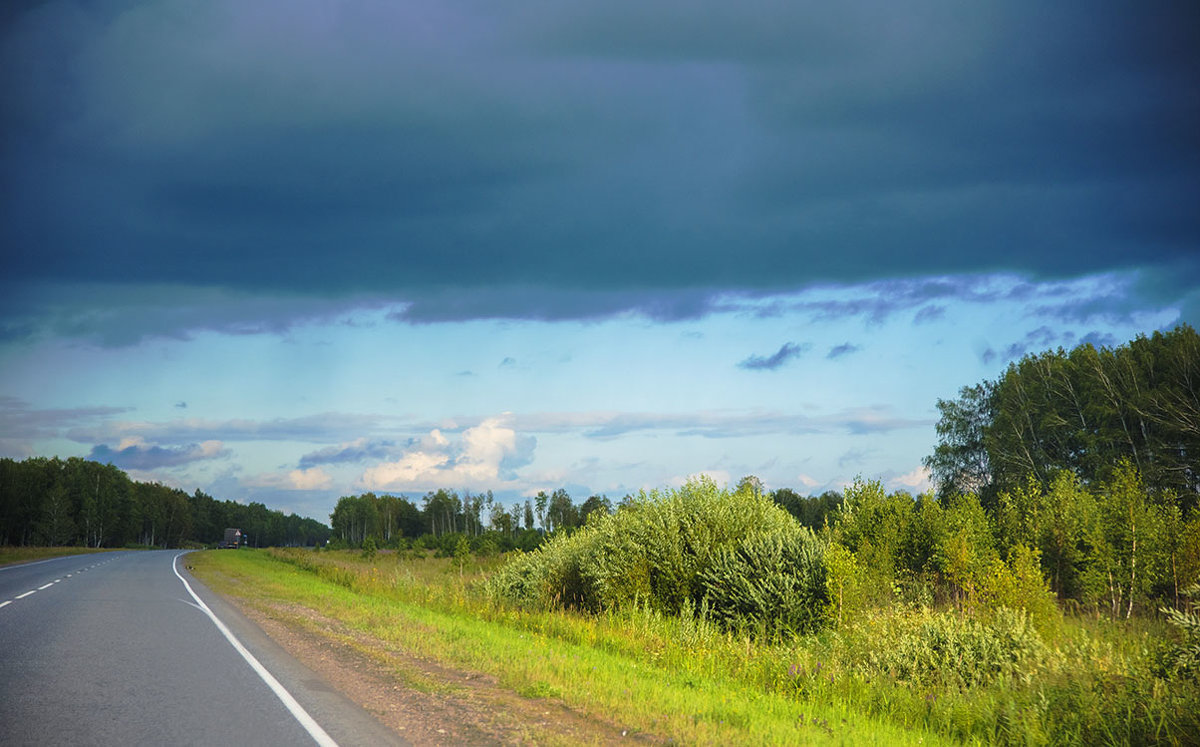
[[569, 161], [1099, 340], [318, 429], [931, 313], [145, 457], [786, 352], [355, 451], [21, 424], [717, 425], [842, 350], [1046, 339]]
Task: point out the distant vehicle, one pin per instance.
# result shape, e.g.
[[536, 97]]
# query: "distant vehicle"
[[232, 541]]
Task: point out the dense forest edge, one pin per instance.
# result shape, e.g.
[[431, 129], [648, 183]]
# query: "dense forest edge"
[[82, 503]]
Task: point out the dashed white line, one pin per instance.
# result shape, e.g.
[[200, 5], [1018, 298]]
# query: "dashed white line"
[[22, 596], [46, 586], [5, 604]]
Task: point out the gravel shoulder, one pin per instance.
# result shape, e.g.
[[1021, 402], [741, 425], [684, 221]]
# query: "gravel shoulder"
[[423, 702]]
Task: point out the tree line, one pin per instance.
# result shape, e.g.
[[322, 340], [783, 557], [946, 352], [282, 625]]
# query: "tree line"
[[1082, 411], [1083, 465], [78, 502], [390, 520], [1075, 476]]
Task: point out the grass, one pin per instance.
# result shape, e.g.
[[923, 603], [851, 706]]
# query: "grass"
[[670, 678], [683, 678], [11, 555]]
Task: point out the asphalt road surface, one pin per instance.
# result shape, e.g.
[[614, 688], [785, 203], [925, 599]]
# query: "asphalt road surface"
[[126, 647]]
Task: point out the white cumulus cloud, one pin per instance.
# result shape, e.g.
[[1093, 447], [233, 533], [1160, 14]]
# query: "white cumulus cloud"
[[313, 478], [484, 455], [916, 481]]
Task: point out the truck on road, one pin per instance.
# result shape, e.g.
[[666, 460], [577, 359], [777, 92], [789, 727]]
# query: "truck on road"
[[232, 541]]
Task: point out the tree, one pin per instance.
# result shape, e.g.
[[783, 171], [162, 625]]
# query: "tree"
[[1058, 521], [500, 520], [462, 551], [960, 462], [872, 524], [355, 518], [443, 510], [750, 484], [561, 513], [1080, 411], [965, 550], [541, 500], [82, 502], [57, 526], [1128, 529], [594, 504], [812, 512]]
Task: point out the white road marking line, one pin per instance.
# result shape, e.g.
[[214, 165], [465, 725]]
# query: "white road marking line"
[[47, 586], [310, 725], [22, 596], [5, 604]]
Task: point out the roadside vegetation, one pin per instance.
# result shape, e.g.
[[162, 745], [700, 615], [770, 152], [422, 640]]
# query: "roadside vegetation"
[[674, 617], [1045, 593], [13, 555], [637, 670]]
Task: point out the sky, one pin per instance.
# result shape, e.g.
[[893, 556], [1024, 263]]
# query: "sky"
[[290, 251]]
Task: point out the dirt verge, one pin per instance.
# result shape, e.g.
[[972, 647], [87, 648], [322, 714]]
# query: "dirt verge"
[[422, 701]]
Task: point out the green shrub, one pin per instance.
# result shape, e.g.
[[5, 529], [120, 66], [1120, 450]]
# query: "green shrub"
[[932, 649], [1020, 585], [521, 580], [1183, 659], [656, 550], [771, 582], [369, 548], [873, 526], [843, 584]]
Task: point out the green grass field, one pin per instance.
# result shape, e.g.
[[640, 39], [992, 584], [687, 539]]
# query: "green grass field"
[[684, 679], [663, 677]]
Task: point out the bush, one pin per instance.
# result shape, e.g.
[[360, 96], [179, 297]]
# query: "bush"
[[656, 550], [1019, 584], [485, 546], [771, 582], [369, 548], [843, 583], [929, 649], [1183, 659]]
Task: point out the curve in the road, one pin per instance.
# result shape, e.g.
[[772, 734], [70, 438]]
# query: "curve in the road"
[[308, 722], [104, 651]]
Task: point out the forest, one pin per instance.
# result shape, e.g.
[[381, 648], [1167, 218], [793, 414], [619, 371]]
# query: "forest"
[[1077, 468], [1046, 591], [78, 502], [1074, 469], [1080, 411]]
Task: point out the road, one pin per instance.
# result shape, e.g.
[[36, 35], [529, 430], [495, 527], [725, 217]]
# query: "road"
[[119, 648]]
